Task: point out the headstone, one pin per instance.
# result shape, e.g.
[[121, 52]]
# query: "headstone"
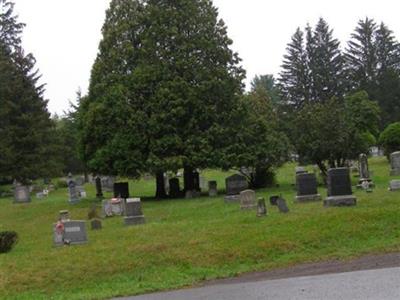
[[80, 181], [133, 212], [174, 188], [99, 191], [248, 199], [96, 224], [261, 208], [282, 206], [81, 191], [73, 192], [212, 189], [64, 215], [234, 185], [300, 170], [203, 183], [196, 181], [21, 194], [117, 206], [107, 183], [339, 188], [394, 185], [75, 232], [192, 194], [363, 167], [273, 200], [40, 195], [121, 190], [107, 208], [395, 164], [307, 187]]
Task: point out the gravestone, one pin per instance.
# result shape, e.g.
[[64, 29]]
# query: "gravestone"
[[75, 232], [80, 181], [96, 224], [394, 185], [64, 215], [121, 190], [300, 170], [203, 183], [339, 188], [40, 195], [282, 206], [307, 187], [234, 185], [80, 189], [192, 194], [174, 188], [212, 189], [107, 208], [248, 199], [133, 212], [395, 164], [273, 200], [99, 191], [261, 208], [363, 167], [21, 194], [107, 183], [73, 192]]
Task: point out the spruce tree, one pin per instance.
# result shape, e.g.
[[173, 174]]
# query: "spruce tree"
[[26, 131]]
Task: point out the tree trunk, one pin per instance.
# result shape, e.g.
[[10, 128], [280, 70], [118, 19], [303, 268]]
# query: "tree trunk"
[[324, 171], [160, 186]]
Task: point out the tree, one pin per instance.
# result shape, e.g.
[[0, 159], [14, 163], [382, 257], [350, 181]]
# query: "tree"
[[390, 138], [259, 146], [26, 131], [268, 83], [335, 131], [161, 90]]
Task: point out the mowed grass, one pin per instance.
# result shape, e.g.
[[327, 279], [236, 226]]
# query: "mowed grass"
[[187, 241]]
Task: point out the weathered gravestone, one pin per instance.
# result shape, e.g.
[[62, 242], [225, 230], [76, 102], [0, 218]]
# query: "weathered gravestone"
[[99, 190], [133, 212], [339, 188], [174, 188], [73, 192], [212, 189], [394, 185], [64, 215], [203, 183], [248, 199], [261, 208], [80, 189], [234, 185], [307, 187], [121, 190], [107, 183], [395, 164], [282, 206], [365, 181], [21, 194], [70, 233]]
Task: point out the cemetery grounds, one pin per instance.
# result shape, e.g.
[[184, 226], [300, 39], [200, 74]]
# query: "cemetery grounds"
[[185, 242]]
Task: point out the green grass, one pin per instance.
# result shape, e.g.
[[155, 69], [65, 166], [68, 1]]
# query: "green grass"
[[187, 241]]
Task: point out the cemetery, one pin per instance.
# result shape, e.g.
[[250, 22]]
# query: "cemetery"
[[177, 165], [181, 242]]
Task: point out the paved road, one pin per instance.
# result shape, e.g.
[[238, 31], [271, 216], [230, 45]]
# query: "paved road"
[[383, 284]]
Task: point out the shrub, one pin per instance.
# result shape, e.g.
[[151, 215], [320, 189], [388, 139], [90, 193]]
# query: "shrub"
[[7, 240], [61, 183], [390, 138]]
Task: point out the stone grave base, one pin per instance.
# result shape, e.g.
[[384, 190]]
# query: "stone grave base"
[[232, 199], [137, 220], [395, 172], [308, 198], [248, 207], [348, 200]]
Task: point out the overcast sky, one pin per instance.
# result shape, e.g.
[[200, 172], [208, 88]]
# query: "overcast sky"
[[63, 35]]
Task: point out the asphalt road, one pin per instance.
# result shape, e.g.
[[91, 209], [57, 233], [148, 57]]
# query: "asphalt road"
[[381, 284]]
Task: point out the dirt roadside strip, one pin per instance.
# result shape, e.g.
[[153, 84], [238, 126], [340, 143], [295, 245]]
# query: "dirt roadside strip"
[[369, 262]]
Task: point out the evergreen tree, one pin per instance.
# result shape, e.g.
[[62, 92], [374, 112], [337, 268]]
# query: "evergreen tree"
[[26, 131], [268, 83]]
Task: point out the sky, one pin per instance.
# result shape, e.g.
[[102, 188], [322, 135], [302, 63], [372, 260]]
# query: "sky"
[[63, 35]]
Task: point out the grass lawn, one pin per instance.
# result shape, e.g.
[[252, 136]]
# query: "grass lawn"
[[187, 241]]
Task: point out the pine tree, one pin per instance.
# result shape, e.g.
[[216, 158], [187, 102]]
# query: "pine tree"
[[26, 131]]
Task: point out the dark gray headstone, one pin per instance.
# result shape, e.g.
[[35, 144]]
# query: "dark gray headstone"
[[339, 183], [300, 170], [339, 188], [273, 200], [73, 192], [235, 184], [133, 212], [74, 233], [248, 199], [395, 164], [281, 203], [174, 188], [212, 189], [22, 194], [121, 190], [261, 208], [307, 187]]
